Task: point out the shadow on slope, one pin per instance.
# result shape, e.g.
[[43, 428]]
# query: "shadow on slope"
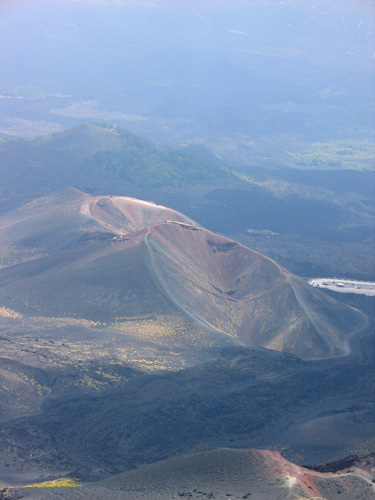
[[247, 398]]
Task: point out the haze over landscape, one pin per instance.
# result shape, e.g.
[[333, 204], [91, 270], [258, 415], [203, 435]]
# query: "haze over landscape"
[[174, 179]]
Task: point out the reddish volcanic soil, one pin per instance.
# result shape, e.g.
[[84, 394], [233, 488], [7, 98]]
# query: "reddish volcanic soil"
[[69, 217], [125, 216], [239, 292]]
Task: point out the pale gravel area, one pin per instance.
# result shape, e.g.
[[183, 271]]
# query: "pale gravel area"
[[350, 286]]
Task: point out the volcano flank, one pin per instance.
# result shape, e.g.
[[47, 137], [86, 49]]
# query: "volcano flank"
[[107, 258], [131, 334]]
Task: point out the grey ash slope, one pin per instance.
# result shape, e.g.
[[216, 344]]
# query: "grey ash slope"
[[247, 398], [221, 474]]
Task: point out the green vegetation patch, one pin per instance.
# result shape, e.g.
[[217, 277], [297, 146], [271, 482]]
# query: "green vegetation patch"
[[145, 164], [338, 155]]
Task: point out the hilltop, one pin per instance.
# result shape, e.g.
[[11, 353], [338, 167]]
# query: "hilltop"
[[69, 218]]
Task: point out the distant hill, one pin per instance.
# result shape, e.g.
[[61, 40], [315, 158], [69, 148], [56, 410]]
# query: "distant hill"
[[141, 162], [87, 139], [96, 157]]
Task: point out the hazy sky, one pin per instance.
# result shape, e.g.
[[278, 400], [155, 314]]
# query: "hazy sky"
[[244, 66]]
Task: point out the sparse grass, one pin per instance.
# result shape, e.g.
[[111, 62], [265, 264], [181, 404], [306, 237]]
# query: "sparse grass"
[[241, 175], [63, 482], [11, 254], [9, 313], [87, 323]]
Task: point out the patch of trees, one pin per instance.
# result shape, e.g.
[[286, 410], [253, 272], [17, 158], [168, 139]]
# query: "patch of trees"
[[145, 164]]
